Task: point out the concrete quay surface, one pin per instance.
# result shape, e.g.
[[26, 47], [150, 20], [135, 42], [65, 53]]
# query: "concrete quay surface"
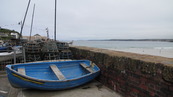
[[91, 89]]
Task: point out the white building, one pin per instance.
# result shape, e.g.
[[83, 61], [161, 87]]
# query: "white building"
[[15, 35]]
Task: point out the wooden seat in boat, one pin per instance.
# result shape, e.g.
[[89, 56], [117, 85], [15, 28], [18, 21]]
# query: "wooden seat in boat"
[[57, 72], [86, 67], [21, 71]]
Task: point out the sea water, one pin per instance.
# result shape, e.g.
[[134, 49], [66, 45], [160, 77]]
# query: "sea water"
[[156, 48]]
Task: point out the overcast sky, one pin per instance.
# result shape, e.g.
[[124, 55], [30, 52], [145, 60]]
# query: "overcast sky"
[[92, 19]]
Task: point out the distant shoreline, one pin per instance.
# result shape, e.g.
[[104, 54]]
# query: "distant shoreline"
[[163, 40]]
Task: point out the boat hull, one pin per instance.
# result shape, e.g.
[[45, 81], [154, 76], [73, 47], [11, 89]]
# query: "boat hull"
[[3, 48], [23, 81]]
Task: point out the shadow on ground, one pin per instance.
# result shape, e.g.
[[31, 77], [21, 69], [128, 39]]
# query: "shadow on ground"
[[91, 89]]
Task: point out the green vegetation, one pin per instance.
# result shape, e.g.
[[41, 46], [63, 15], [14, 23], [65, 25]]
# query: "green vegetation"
[[5, 34]]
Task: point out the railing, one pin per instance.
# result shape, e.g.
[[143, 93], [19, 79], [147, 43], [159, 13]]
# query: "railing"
[[11, 57]]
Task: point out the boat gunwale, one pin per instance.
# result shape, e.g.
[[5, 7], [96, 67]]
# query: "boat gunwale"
[[66, 80]]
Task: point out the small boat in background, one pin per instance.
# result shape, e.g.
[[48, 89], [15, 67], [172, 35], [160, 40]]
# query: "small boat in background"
[[10, 51], [3, 48], [52, 75], [17, 49]]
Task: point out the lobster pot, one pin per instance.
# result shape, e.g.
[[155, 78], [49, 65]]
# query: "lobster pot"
[[49, 47], [20, 59], [32, 48], [33, 57], [51, 56], [66, 54], [50, 51], [33, 51], [4, 63], [62, 46]]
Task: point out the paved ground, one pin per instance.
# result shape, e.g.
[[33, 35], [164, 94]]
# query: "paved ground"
[[92, 89]]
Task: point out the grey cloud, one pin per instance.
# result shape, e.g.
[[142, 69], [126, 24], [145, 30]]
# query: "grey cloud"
[[95, 19]]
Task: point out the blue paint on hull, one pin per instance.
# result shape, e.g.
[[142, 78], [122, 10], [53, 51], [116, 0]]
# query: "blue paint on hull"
[[40, 76], [3, 48]]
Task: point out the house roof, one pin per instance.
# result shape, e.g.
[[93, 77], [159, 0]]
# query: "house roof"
[[37, 35]]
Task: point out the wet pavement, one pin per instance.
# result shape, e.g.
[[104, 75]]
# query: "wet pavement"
[[92, 89]]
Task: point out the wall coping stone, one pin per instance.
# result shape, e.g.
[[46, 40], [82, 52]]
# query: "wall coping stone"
[[142, 57]]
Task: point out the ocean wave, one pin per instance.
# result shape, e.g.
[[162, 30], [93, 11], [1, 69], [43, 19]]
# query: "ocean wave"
[[163, 47]]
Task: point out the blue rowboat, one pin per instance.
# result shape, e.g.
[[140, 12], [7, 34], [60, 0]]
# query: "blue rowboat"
[[52, 75]]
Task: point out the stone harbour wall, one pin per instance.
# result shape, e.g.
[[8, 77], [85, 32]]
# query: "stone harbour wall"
[[131, 75]]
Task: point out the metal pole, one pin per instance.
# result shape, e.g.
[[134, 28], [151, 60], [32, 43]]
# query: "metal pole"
[[55, 23], [14, 56], [24, 19], [24, 55], [32, 22]]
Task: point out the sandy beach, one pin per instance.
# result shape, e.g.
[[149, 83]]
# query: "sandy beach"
[[149, 51]]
